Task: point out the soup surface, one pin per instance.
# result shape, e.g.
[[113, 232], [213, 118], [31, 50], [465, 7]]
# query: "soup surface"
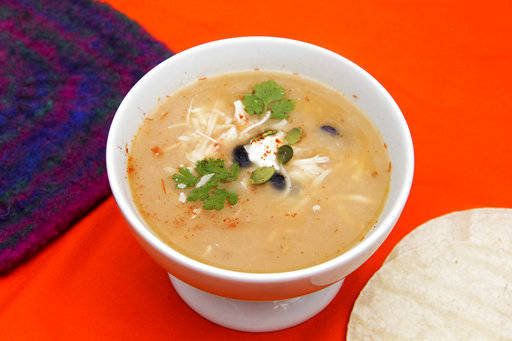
[[277, 214]]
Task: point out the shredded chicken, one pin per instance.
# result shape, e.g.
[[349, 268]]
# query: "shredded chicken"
[[257, 124], [310, 169], [319, 179], [240, 114], [280, 125], [313, 160]]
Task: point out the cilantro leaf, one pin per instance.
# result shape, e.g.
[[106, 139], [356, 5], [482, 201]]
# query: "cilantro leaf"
[[232, 198], [185, 178], [235, 170], [211, 196], [269, 91], [280, 109], [217, 167], [253, 104], [203, 192], [268, 95], [209, 166], [216, 200]]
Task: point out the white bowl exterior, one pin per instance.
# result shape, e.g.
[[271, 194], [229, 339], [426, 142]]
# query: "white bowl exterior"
[[270, 54]]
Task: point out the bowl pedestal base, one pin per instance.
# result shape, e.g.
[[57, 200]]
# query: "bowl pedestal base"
[[255, 316]]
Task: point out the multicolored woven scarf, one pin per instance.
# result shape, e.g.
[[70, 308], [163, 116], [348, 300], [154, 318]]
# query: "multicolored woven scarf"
[[64, 68]]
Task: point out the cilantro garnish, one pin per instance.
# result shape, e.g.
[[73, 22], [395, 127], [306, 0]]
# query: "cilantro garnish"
[[202, 193], [268, 96], [185, 178], [216, 166], [269, 91], [217, 199], [209, 193], [280, 109], [253, 104]]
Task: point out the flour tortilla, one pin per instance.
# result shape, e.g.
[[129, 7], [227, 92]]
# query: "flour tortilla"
[[450, 279], [489, 226]]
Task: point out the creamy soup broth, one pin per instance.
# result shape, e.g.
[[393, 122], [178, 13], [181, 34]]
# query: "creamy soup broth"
[[336, 185]]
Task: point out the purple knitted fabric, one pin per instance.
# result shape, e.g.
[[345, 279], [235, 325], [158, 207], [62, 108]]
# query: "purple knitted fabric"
[[64, 68]]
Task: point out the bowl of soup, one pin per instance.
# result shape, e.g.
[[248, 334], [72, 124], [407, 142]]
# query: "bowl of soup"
[[259, 168]]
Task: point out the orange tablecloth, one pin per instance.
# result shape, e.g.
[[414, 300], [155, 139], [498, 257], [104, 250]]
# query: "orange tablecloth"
[[448, 65]]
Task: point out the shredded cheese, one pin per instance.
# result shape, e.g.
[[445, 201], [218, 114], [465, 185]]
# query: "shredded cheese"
[[229, 135], [204, 179], [211, 148], [222, 126], [182, 197], [195, 155], [207, 127], [177, 125], [211, 123], [217, 111], [189, 109], [195, 123], [206, 136]]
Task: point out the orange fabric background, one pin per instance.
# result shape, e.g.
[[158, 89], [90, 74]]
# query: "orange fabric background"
[[447, 64]]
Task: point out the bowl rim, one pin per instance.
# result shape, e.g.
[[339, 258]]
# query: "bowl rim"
[[382, 228]]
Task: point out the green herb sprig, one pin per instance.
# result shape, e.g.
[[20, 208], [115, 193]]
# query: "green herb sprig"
[[218, 198], [185, 178], [209, 193], [268, 96]]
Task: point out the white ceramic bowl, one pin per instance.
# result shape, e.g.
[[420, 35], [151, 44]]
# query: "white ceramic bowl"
[[272, 54]]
